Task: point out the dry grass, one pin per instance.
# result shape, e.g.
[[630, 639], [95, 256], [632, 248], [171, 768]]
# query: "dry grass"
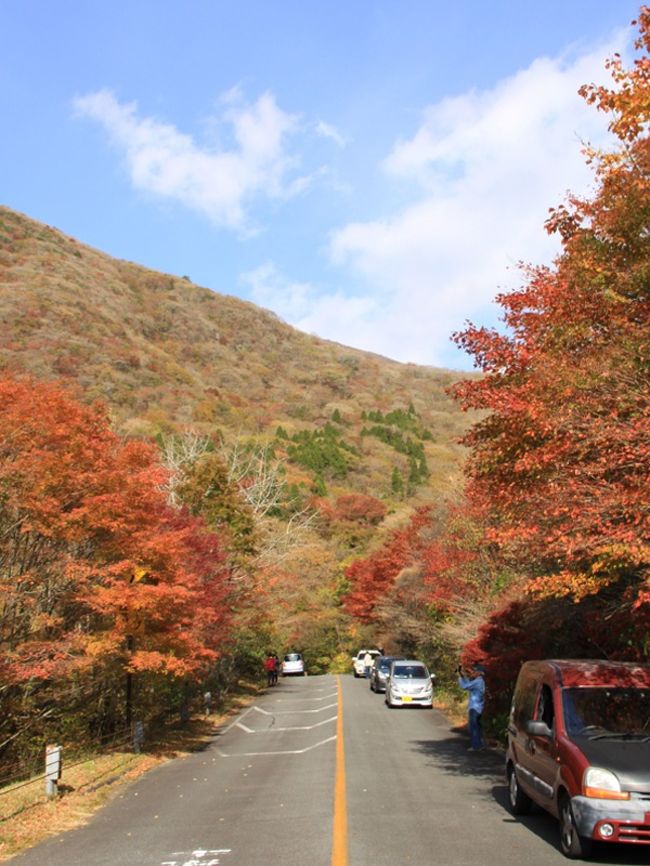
[[28, 817], [453, 706]]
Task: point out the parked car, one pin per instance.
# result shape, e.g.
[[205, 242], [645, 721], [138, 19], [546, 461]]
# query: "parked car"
[[409, 683], [357, 661], [379, 672], [579, 747], [293, 664]]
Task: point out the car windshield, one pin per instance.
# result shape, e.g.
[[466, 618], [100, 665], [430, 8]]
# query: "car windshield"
[[292, 657], [604, 712], [410, 672]]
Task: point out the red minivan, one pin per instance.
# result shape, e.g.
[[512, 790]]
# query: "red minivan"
[[579, 746]]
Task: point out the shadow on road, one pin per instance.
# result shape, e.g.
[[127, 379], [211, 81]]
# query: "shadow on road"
[[450, 756]]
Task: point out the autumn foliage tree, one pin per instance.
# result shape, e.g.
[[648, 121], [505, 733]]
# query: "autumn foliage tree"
[[550, 552], [560, 464], [99, 576], [373, 576]]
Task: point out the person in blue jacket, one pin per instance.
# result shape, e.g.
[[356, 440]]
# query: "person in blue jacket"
[[474, 683]]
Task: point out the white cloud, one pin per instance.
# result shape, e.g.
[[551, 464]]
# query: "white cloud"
[[349, 318], [268, 288], [488, 165], [326, 130], [219, 183]]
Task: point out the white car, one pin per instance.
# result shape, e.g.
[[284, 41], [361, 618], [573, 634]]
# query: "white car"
[[293, 664], [357, 661], [409, 683]]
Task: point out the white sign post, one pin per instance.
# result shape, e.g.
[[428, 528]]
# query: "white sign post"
[[52, 769]]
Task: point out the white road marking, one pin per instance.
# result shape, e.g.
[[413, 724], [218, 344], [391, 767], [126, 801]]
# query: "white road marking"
[[199, 857], [292, 712], [235, 722], [288, 728], [302, 700], [300, 727], [281, 752]]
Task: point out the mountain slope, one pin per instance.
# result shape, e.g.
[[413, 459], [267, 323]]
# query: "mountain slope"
[[168, 355]]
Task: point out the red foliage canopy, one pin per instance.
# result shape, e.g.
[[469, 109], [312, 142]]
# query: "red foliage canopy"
[[561, 464], [356, 508], [373, 576], [95, 567]]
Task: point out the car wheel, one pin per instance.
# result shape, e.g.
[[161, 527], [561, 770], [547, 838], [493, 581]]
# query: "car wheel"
[[572, 845], [356, 675], [520, 802]]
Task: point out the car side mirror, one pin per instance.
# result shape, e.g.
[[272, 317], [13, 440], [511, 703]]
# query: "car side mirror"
[[538, 729]]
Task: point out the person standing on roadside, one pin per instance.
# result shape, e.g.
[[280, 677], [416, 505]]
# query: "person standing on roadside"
[[269, 667], [367, 664], [474, 683], [207, 703]]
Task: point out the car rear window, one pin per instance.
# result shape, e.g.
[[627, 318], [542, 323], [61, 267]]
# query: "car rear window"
[[293, 657], [601, 713], [410, 672]]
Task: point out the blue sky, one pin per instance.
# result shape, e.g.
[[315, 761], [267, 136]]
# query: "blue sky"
[[370, 171]]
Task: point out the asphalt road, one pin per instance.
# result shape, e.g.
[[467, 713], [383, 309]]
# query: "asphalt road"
[[265, 793]]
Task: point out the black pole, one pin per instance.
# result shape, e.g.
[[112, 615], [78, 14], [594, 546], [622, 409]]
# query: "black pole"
[[129, 685]]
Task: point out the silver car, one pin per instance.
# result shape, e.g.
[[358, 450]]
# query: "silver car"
[[409, 683], [293, 665]]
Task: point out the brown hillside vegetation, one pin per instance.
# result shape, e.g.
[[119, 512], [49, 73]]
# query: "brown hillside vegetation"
[[167, 355], [315, 452]]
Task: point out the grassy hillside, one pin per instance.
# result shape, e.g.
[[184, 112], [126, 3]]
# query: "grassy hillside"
[[167, 355]]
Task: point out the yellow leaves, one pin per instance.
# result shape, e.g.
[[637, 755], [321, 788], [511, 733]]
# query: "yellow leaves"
[[139, 574], [577, 585], [607, 565]]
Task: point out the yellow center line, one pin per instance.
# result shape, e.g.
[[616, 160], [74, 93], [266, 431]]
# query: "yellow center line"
[[340, 824]]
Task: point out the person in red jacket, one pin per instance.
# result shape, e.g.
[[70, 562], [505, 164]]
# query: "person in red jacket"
[[269, 667]]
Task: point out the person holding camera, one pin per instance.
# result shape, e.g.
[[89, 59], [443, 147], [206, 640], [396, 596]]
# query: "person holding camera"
[[474, 683]]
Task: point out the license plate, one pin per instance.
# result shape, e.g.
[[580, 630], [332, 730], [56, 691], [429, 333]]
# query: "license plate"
[[406, 698]]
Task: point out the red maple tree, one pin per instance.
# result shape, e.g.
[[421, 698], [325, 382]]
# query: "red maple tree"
[[95, 567], [373, 576]]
